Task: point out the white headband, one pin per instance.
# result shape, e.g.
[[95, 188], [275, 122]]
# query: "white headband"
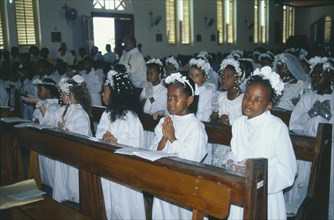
[[201, 64], [37, 82], [230, 61], [182, 79], [155, 61]]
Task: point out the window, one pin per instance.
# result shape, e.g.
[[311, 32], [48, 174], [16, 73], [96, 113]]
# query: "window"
[[327, 31], [2, 29], [171, 21], [288, 22], [226, 21], [260, 21], [109, 4], [179, 21], [25, 23]]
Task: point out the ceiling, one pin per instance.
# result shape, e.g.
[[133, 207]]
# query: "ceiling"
[[306, 3]]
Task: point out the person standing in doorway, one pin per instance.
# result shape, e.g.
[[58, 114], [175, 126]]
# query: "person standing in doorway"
[[109, 57]]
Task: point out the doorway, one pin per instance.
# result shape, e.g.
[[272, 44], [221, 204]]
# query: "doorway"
[[110, 28]]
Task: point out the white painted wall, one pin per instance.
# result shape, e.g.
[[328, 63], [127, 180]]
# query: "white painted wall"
[[52, 19], [305, 17]]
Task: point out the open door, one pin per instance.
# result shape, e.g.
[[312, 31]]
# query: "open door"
[[88, 34], [123, 26]]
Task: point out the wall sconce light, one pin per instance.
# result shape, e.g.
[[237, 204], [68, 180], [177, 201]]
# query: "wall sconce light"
[[154, 20], [208, 21]]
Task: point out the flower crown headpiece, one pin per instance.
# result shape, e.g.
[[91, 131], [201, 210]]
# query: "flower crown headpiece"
[[172, 60], [204, 55], [201, 64], [181, 79], [156, 61], [118, 81], [274, 79], [37, 82], [280, 59], [238, 53], [291, 50], [325, 61], [109, 79], [65, 86], [267, 54], [230, 61]]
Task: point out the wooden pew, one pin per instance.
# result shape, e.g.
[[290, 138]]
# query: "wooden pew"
[[204, 189], [315, 150], [285, 115]]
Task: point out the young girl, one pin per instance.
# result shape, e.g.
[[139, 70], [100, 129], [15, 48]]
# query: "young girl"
[[172, 65], [226, 105], [47, 102], [260, 134], [199, 70], [120, 124], [313, 108], [47, 107], [154, 95], [296, 81], [212, 76], [72, 117], [181, 133]]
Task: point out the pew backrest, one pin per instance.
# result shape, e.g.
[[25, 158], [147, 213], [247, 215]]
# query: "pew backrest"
[[204, 189], [316, 150]]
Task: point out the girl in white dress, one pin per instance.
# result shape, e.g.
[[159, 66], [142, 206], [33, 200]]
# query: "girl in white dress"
[[226, 104], [120, 124], [179, 132], [73, 117], [199, 70], [313, 108], [260, 134], [47, 107], [153, 97], [212, 76], [296, 81], [47, 102]]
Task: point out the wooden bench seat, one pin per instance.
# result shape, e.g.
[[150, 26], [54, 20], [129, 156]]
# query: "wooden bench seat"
[[46, 209]]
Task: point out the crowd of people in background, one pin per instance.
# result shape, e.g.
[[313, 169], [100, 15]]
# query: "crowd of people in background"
[[237, 88]]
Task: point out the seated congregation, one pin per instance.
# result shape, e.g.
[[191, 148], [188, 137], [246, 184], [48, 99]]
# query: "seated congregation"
[[189, 104]]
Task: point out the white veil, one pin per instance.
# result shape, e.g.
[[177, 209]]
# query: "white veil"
[[294, 66]]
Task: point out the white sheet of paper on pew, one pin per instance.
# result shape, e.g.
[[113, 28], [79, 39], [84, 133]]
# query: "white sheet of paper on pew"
[[14, 119], [34, 125], [145, 154], [20, 193]]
